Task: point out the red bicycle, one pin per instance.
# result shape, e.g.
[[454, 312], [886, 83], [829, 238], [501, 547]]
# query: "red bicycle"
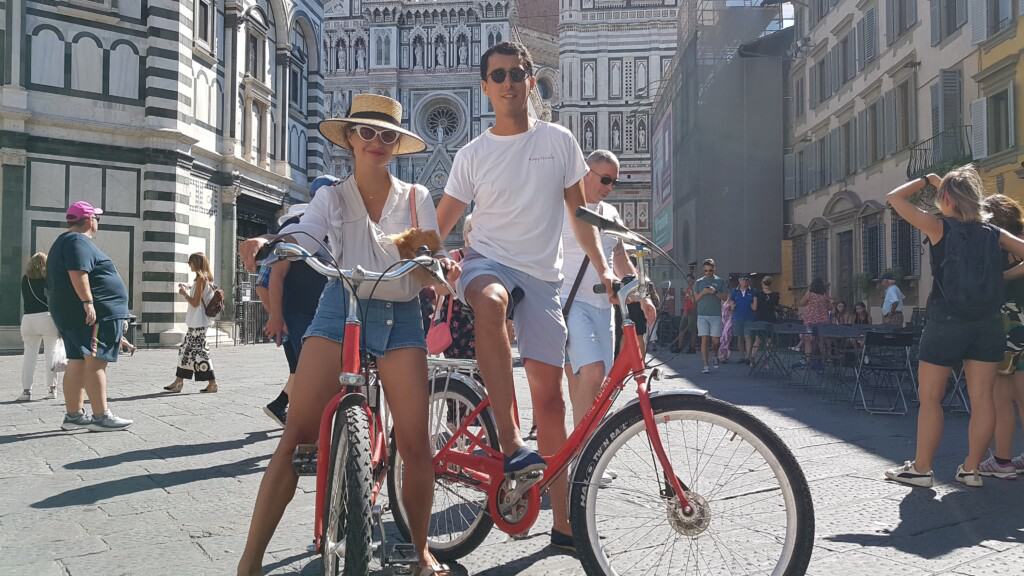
[[702, 486], [350, 458]]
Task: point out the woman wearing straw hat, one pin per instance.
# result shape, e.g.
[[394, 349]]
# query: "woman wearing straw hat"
[[357, 215]]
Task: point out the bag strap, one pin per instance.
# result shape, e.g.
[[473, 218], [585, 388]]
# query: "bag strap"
[[412, 206], [575, 286], [437, 310], [33, 291]]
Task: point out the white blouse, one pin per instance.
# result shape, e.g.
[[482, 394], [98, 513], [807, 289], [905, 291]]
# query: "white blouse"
[[339, 214]]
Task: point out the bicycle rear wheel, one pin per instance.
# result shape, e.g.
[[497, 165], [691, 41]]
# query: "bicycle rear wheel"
[[753, 508], [347, 530], [458, 517]]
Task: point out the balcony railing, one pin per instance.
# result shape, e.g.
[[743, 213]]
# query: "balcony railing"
[[942, 152]]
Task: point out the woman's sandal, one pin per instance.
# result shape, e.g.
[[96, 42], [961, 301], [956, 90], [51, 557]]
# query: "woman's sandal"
[[174, 386], [210, 388], [435, 570]]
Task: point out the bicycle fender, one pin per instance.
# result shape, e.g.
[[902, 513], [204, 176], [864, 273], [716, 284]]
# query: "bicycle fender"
[[352, 399], [462, 377]]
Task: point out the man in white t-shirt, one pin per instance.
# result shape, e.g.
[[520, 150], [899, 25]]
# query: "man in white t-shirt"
[[521, 176], [892, 305]]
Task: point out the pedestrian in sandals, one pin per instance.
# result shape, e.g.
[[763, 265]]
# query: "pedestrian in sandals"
[[194, 354]]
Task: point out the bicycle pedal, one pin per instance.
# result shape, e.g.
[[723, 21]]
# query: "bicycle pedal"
[[304, 460], [401, 554]]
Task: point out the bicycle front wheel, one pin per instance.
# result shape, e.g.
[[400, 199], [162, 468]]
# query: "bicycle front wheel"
[[347, 520], [752, 507]]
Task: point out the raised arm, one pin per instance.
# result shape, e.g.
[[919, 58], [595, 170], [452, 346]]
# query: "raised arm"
[[924, 221]]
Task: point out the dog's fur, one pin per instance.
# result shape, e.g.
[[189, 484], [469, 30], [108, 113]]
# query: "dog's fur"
[[413, 239]]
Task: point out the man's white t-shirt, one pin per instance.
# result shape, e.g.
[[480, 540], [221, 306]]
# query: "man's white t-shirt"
[[517, 186], [572, 259]]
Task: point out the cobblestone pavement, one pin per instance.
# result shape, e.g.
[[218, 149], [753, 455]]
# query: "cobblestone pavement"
[[173, 494]]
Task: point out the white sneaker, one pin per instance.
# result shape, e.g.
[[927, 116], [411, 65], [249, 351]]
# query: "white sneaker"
[[972, 479], [26, 396], [107, 422], [706, 370], [1018, 463], [907, 474]]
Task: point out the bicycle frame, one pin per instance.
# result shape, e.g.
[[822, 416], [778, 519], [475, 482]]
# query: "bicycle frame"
[[353, 384], [487, 469]]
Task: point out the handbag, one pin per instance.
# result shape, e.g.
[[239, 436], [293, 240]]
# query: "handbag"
[[439, 337], [59, 360]]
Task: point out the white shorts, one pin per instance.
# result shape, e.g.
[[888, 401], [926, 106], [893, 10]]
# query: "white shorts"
[[591, 336], [709, 326]]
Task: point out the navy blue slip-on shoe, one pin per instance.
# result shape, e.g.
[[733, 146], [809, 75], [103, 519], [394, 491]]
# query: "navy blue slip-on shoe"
[[562, 541], [524, 461]]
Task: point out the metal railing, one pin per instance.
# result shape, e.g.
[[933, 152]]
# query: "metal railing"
[[945, 150]]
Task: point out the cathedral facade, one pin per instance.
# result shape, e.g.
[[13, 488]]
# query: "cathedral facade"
[[613, 56], [189, 123], [425, 55]]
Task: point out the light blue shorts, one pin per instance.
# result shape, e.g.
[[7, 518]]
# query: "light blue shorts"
[[709, 326], [591, 336], [540, 327], [386, 325]]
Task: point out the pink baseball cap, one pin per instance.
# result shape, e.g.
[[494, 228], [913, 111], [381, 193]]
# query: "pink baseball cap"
[[82, 209]]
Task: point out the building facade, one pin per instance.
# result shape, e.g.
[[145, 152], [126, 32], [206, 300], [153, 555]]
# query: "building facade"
[[613, 56], [881, 92], [188, 123], [996, 112], [427, 56], [719, 124]]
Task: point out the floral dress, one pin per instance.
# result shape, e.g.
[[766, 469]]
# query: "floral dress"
[[724, 345]]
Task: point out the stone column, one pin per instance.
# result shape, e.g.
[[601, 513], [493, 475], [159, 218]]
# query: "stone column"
[[228, 244], [284, 63]]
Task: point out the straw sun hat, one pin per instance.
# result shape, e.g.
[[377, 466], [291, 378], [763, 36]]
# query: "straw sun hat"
[[379, 112]]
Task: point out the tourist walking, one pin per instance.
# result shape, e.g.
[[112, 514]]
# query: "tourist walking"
[[194, 353], [766, 309], [37, 327], [89, 304], [1009, 387], [892, 304], [743, 316], [375, 206], [709, 293], [725, 341], [687, 322], [964, 323], [521, 176]]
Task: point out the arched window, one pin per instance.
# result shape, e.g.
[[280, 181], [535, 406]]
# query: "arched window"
[[379, 60], [124, 71], [87, 65]]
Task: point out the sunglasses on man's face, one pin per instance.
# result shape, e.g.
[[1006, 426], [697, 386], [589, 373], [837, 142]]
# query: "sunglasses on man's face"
[[608, 181], [516, 74], [368, 133]]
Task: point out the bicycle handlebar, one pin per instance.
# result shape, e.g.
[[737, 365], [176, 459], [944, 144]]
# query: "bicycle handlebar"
[[278, 250]]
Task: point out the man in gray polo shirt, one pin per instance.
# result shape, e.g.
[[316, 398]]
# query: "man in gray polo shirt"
[[709, 292]]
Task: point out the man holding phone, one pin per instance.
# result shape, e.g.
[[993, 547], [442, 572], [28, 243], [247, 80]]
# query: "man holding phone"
[[709, 292]]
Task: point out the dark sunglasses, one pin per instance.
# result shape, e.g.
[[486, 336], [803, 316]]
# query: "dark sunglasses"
[[608, 181], [516, 74], [368, 133]]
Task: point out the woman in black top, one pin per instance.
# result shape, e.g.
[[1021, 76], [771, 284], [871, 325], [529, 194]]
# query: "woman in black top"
[[964, 324], [36, 327], [766, 302]]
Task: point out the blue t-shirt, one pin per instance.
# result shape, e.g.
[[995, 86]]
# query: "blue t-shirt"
[[744, 305], [76, 251], [710, 304]]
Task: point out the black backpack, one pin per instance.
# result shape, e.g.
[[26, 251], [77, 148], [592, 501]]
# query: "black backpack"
[[971, 281]]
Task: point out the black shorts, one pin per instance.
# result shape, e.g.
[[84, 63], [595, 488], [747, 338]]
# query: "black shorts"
[[102, 340], [946, 341]]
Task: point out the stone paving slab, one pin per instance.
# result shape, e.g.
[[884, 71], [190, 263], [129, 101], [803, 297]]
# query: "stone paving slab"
[[173, 494]]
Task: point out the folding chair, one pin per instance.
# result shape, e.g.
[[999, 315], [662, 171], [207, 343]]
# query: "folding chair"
[[956, 398], [884, 363]]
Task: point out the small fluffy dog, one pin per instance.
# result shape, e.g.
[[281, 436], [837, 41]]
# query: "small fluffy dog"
[[413, 239]]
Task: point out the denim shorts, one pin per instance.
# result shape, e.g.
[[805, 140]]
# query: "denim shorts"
[[741, 328], [386, 325], [946, 341], [102, 340]]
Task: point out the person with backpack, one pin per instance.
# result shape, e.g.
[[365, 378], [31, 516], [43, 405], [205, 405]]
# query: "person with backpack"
[[964, 322], [194, 353]]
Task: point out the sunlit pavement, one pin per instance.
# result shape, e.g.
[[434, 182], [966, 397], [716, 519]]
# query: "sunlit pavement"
[[173, 494]]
